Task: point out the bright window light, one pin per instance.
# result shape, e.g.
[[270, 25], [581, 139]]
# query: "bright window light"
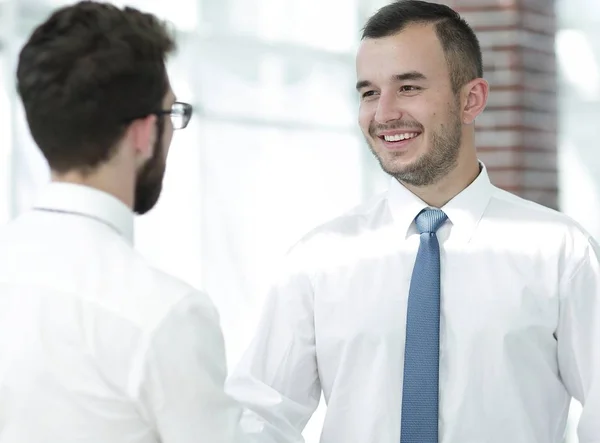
[[578, 64]]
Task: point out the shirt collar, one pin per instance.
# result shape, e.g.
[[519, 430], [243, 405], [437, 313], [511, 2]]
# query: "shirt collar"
[[464, 211], [88, 202]]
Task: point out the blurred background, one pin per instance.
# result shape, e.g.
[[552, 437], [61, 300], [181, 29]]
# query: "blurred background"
[[274, 149]]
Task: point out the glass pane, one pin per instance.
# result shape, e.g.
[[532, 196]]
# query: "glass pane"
[[330, 25], [371, 6], [183, 14], [6, 141], [252, 83], [262, 190]]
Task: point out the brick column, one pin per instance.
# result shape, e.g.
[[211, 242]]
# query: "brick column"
[[517, 133]]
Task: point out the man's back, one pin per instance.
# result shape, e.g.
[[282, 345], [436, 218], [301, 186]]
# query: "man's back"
[[95, 345]]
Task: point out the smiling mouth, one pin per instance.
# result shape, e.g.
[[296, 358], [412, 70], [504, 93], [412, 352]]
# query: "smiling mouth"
[[399, 137]]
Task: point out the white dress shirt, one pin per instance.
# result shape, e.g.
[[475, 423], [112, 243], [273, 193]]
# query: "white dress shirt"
[[519, 333], [96, 346]]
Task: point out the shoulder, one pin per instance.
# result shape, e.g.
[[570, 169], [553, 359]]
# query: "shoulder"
[[548, 232], [338, 238], [351, 223], [532, 216]]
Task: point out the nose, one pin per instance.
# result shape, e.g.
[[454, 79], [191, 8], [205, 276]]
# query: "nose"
[[387, 109]]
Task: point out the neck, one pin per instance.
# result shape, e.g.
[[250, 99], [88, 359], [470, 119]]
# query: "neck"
[[107, 180], [444, 190]]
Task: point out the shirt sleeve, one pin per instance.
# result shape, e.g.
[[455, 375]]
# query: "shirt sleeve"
[[184, 374], [578, 337], [277, 380]]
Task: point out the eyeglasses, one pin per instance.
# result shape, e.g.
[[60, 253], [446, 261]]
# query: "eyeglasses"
[[180, 114]]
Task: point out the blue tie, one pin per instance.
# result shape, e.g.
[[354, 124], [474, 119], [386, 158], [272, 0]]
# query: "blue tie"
[[422, 350]]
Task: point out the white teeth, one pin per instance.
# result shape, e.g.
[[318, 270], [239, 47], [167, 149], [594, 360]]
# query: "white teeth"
[[399, 137]]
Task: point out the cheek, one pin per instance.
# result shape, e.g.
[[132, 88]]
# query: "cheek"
[[428, 113], [167, 137], [365, 117]]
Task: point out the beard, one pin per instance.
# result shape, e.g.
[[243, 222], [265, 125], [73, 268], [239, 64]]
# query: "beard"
[[148, 185], [432, 166]]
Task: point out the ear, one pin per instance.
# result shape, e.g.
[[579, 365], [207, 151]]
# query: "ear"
[[475, 95], [142, 135]]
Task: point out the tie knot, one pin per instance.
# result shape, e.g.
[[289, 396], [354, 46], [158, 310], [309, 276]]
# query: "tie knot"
[[430, 220]]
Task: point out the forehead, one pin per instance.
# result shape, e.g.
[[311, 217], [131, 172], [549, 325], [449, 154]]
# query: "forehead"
[[416, 48]]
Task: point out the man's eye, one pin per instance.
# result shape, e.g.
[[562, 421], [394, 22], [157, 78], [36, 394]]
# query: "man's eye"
[[409, 88], [368, 94]]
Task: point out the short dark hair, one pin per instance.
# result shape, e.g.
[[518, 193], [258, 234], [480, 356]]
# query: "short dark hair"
[[459, 42], [85, 74]]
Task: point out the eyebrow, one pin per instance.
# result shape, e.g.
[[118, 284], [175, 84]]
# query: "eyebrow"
[[406, 76]]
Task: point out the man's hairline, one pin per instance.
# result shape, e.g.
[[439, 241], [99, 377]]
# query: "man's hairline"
[[426, 24]]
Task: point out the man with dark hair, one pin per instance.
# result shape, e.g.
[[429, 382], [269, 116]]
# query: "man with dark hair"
[[96, 345], [459, 42], [444, 310]]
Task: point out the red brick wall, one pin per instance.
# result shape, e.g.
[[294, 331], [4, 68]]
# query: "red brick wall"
[[517, 133]]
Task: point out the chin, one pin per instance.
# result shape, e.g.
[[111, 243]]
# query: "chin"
[[399, 161]]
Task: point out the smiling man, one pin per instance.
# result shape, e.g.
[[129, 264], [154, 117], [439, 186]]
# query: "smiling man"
[[421, 88], [444, 310]]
